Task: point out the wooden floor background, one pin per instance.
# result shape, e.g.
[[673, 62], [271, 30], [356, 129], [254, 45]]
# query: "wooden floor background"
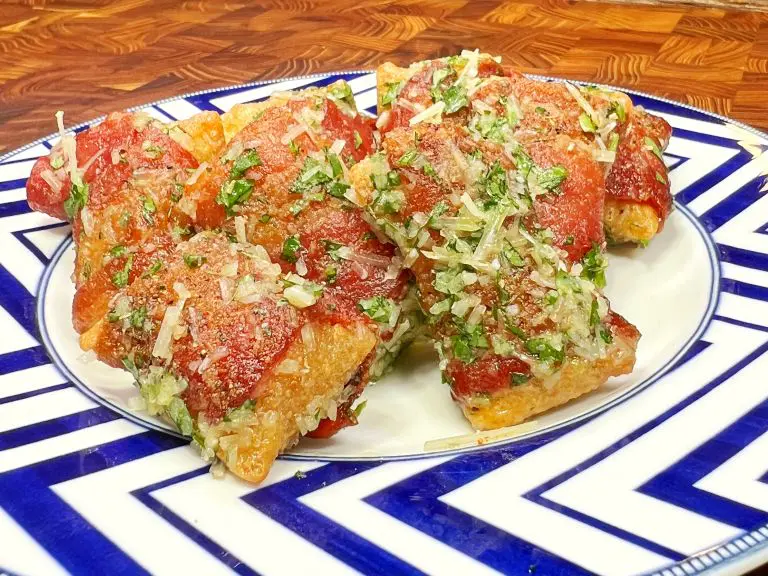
[[89, 57]]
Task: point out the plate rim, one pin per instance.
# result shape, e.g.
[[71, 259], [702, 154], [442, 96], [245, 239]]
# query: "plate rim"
[[727, 565]]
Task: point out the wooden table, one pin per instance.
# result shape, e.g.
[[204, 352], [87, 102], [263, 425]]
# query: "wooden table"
[[94, 56]]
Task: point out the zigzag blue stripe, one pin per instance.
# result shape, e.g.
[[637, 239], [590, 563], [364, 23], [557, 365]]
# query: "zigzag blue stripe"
[[620, 443], [675, 484], [144, 495], [698, 188], [55, 427], [20, 235], [26, 497], [744, 289], [18, 302], [14, 208], [23, 359], [415, 502], [733, 205], [280, 502], [743, 257], [23, 395], [13, 185]]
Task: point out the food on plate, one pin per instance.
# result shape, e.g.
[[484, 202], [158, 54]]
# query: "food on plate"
[[118, 183], [500, 220], [254, 271], [236, 353], [245, 346], [626, 140]]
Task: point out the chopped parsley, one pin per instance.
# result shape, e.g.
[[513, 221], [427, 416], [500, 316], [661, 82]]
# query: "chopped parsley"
[[117, 251], [291, 248], [408, 157], [455, 99], [294, 148], [330, 274], [78, 196], [152, 270], [234, 192], [342, 91], [594, 265], [148, 208], [618, 109], [613, 142], [177, 192], [312, 174], [378, 308], [551, 178], [358, 140], [194, 260], [469, 338], [586, 123], [661, 178], [542, 349], [391, 92], [265, 218], [243, 163], [138, 317], [57, 162], [494, 182], [651, 145], [120, 278], [518, 378]]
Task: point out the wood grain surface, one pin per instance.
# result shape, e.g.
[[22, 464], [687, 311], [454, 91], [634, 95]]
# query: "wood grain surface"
[[89, 57]]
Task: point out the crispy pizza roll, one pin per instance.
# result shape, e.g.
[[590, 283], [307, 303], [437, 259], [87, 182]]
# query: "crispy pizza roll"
[[282, 182], [504, 239], [621, 137], [117, 182], [237, 354], [202, 134]]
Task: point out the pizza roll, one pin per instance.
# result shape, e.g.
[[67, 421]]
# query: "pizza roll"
[[503, 233]]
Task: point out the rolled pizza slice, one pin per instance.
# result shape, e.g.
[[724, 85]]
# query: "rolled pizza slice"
[[282, 182], [626, 140], [118, 183], [239, 355], [506, 244]]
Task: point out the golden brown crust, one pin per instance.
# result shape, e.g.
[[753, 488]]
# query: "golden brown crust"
[[629, 221], [332, 361], [240, 115], [576, 378], [202, 135]]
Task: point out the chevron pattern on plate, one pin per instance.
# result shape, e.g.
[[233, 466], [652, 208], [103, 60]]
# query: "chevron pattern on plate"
[[672, 479]]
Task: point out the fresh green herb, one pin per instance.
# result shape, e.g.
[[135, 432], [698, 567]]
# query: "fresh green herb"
[[523, 162], [594, 314], [148, 208], [541, 110], [586, 123], [544, 350], [515, 329], [153, 269], [594, 265], [177, 192], [117, 251], [408, 157], [57, 162], [613, 142], [130, 365], [357, 410], [120, 278], [437, 210], [606, 335], [152, 150], [300, 475], [179, 413], [429, 170], [569, 240], [512, 256], [494, 182], [265, 218], [391, 92], [330, 274], [378, 308], [335, 163], [449, 281], [438, 76], [455, 99], [124, 219], [291, 247], [311, 175], [243, 163], [651, 145], [661, 178], [469, 338], [618, 109], [342, 91], [551, 178], [518, 378], [234, 192], [78, 196], [294, 148], [138, 317], [194, 260]]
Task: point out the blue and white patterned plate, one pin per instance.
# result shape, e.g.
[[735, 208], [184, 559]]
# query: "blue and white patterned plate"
[[664, 471]]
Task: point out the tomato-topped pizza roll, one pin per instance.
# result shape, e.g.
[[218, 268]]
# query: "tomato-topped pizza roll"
[[533, 111], [504, 239], [282, 182], [638, 198], [239, 355], [118, 182]]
